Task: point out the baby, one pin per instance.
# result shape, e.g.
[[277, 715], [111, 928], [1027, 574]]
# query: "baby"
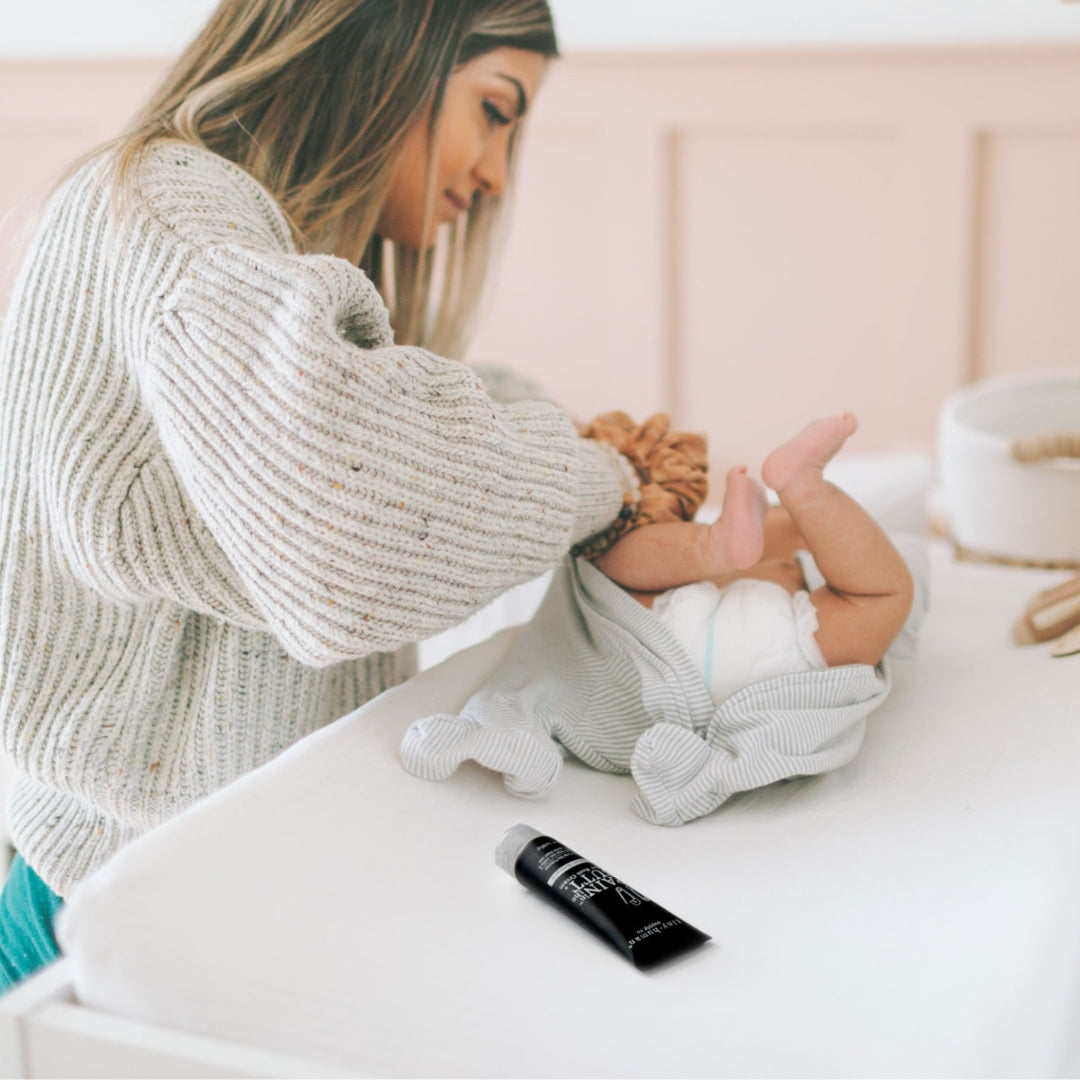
[[738, 659], [747, 618]]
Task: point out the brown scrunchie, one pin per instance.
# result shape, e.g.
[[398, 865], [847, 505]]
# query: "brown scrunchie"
[[671, 465]]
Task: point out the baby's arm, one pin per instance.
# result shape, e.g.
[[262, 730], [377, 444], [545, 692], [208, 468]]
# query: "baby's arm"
[[653, 558]]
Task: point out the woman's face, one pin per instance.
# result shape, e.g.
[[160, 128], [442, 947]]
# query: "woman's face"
[[484, 101]]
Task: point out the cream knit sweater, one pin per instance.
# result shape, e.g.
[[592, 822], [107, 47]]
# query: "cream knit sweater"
[[230, 502]]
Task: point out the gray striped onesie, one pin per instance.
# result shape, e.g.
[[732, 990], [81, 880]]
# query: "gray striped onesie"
[[599, 676]]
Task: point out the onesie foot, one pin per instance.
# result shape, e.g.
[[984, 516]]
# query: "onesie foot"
[[675, 772], [433, 748]]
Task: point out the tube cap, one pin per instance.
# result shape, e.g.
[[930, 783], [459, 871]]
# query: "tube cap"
[[512, 844]]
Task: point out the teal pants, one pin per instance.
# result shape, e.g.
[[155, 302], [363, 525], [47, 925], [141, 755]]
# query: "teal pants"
[[27, 909]]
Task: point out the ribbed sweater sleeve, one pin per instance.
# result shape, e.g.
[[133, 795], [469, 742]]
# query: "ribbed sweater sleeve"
[[366, 494], [218, 476]]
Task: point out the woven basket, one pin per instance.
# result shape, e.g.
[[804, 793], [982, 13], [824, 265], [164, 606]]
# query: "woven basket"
[[1009, 459]]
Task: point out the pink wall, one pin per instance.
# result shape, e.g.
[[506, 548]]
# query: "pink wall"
[[50, 113], [750, 239], [745, 239]]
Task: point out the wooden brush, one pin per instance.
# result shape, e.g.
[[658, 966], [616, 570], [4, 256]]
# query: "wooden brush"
[[1050, 614]]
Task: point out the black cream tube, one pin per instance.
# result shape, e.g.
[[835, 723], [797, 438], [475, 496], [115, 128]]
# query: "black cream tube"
[[641, 930]]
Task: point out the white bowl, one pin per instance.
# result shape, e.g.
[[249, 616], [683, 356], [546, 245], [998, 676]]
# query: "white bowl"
[[993, 504]]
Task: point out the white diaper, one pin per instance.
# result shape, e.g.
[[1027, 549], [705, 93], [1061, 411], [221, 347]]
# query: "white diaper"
[[744, 633]]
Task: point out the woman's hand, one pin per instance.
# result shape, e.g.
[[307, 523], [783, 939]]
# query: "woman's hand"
[[653, 558], [661, 556]]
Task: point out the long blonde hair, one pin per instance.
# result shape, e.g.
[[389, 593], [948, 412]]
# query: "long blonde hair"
[[314, 99]]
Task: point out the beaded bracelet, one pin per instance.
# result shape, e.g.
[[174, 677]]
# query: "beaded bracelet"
[[627, 517], [602, 541]]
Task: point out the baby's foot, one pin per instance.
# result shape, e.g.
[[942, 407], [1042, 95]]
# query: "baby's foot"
[[805, 456], [736, 540]]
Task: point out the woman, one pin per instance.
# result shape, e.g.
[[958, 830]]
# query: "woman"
[[240, 473]]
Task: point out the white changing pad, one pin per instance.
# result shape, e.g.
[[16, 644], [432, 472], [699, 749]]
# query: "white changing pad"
[[915, 913]]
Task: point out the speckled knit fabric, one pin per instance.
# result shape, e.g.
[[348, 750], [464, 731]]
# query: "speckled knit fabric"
[[230, 503]]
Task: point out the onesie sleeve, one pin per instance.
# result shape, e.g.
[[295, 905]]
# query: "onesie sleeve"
[[366, 494]]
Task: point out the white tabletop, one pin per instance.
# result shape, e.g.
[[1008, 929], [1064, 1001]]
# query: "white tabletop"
[[915, 913]]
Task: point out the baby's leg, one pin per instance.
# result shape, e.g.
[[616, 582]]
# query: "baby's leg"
[[869, 589], [653, 558]]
